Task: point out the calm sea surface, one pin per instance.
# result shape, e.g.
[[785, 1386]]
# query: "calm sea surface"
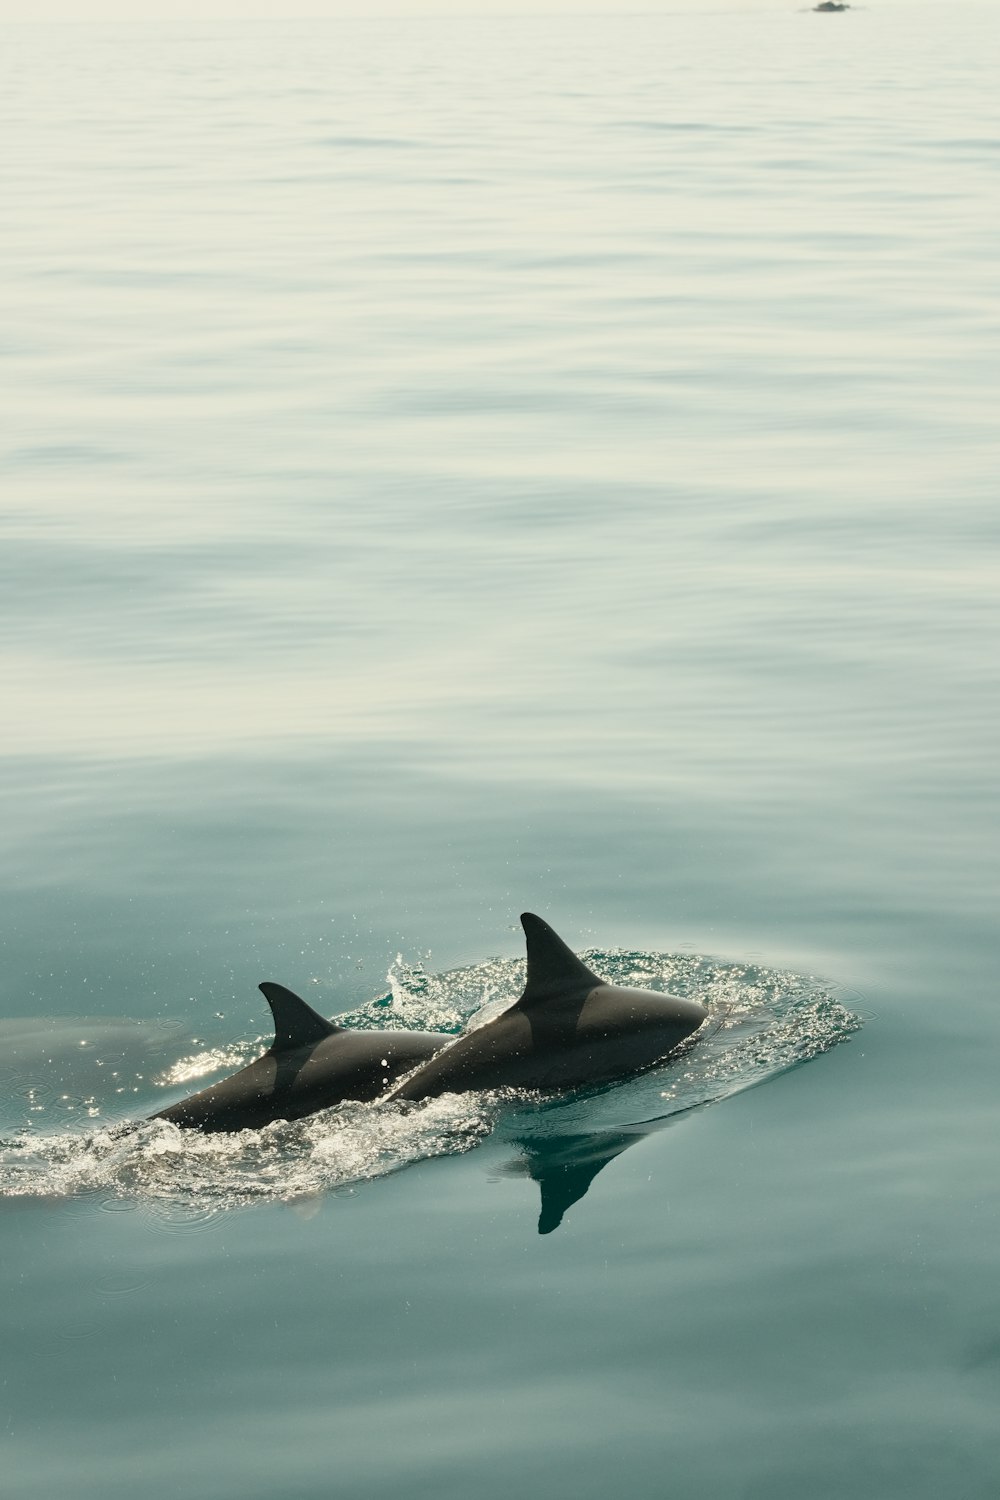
[[453, 467]]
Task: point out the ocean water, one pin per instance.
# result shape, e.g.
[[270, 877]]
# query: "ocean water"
[[459, 466]]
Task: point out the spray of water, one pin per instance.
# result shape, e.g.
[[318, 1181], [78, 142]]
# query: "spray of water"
[[66, 1090]]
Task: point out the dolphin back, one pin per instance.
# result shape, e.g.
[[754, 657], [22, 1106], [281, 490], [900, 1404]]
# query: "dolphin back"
[[568, 1029], [312, 1064]]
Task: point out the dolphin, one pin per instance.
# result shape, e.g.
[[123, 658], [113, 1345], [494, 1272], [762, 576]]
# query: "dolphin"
[[568, 1029], [311, 1064]]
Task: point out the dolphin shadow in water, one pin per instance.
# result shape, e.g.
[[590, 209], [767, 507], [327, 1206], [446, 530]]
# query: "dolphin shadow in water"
[[564, 1164]]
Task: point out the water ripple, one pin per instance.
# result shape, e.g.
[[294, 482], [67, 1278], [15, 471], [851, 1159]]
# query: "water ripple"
[[761, 1021]]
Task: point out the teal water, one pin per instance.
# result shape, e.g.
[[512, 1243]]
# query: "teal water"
[[454, 467]]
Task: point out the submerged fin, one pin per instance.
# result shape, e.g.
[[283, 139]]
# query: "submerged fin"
[[296, 1024], [553, 969], [565, 1166]]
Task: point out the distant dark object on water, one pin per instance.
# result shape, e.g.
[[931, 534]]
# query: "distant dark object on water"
[[831, 5]]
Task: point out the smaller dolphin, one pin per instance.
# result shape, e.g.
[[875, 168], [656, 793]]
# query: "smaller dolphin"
[[568, 1029], [311, 1064]]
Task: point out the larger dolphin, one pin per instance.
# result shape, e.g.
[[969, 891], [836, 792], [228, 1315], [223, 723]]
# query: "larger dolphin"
[[569, 1028], [311, 1064]]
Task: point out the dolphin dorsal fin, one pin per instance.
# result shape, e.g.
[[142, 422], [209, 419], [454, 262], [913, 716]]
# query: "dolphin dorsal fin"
[[296, 1024], [553, 969]]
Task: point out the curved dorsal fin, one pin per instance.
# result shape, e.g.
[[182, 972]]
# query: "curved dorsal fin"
[[553, 969], [296, 1024]]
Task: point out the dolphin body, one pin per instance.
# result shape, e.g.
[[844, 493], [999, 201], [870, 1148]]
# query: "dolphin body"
[[568, 1029], [311, 1064]]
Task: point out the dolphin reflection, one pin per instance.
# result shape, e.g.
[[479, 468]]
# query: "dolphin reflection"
[[565, 1163]]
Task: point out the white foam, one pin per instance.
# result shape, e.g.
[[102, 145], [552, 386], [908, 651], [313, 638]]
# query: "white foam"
[[760, 1022]]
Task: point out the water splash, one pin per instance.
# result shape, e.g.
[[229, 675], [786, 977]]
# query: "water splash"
[[760, 1022]]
